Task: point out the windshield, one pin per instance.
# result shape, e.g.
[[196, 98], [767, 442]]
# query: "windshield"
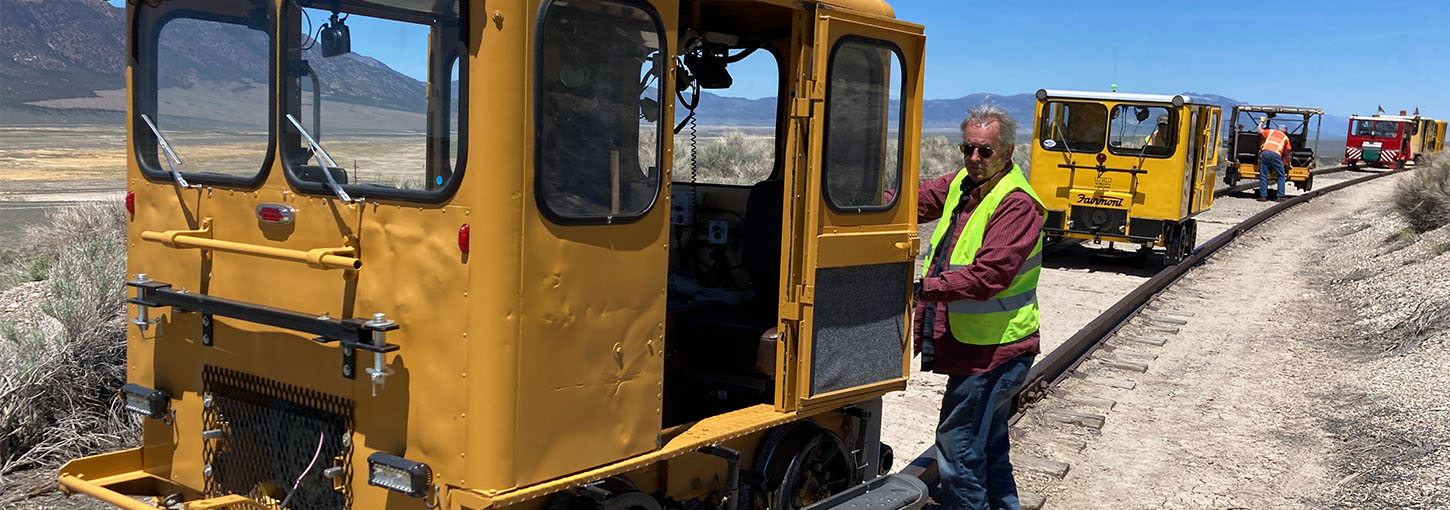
[[1376, 129], [1142, 130], [202, 77], [1289, 123], [1076, 127], [384, 107]]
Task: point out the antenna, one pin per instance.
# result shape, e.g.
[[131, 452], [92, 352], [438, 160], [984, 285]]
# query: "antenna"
[[1115, 69]]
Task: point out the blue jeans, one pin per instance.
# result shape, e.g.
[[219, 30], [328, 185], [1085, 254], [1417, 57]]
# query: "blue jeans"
[[1270, 161], [971, 438]]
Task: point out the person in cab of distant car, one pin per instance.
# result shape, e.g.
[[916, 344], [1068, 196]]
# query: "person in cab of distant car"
[[976, 310], [1273, 156]]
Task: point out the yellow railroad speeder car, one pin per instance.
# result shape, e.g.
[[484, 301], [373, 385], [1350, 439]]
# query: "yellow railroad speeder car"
[[482, 312], [1244, 142], [1119, 167]]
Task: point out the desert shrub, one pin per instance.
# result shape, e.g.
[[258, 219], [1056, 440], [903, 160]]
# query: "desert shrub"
[[1423, 199], [58, 392]]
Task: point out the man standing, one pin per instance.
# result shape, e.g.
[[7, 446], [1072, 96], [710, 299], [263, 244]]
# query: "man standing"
[[1273, 155], [976, 307]]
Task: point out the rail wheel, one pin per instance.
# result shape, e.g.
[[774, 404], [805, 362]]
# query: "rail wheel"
[[1190, 238], [1173, 246], [1231, 177], [800, 465], [1308, 184]]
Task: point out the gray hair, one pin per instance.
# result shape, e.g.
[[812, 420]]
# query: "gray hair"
[[985, 114]]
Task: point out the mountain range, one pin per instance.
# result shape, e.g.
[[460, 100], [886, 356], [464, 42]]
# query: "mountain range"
[[64, 62]]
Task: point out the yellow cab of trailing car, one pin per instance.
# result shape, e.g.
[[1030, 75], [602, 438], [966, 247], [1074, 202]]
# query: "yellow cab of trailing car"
[[497, 307], [1244, 141], [1121, 167]]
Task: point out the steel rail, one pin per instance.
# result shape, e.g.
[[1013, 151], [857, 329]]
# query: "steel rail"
[[1245, 187], [1057, 364]]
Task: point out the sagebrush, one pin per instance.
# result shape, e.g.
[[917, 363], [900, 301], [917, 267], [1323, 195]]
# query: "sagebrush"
[[1423, 198], [58, 385]]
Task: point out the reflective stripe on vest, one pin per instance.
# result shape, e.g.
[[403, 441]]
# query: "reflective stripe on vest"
[[1011, 314], [1274, 140]]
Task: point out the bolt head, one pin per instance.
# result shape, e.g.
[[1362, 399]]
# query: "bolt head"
[[206, 471], [347, 370], [206, 401]]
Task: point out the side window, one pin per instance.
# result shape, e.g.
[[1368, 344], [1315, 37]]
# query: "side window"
[[732, 144], [597, 111], [864, 115], [1141, 130], [1076, 127], [214, 116], [386, 110]]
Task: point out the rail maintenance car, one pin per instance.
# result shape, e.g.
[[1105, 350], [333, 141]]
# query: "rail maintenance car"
[[1378, 141], [1129, 168], [1244, 142], [490, 317]]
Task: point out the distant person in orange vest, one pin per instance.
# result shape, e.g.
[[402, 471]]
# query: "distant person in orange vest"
[[1273, 155]]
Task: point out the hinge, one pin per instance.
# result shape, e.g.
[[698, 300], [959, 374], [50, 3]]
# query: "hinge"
[[815, 92], [790, 311]]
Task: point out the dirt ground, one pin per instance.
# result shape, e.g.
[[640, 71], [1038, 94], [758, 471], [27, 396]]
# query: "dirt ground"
[[1291, 386], [1077, 284]]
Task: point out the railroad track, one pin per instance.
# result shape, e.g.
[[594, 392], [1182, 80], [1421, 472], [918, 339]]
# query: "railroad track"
[[1062, 361]]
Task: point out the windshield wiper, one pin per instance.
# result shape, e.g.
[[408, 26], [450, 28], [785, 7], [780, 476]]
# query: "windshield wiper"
[[170, 155], [323, 160]]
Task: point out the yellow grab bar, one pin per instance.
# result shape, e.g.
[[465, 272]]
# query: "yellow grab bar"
[[323, 258], [75, 484]]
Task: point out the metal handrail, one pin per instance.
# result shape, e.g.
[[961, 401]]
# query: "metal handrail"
[[343, 257]]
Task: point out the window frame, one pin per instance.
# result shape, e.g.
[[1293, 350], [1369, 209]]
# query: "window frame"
[[1174, 128], [540, 202], [362, 192], [900, 128], [1042, 127], [145, 85]]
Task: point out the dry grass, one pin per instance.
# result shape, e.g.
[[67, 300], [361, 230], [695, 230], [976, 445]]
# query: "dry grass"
[[1424, 198], [58, 391]]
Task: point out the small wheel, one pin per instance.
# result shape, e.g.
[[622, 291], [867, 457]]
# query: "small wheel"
[[1173, 246], [1190, 238], [1308, 183], [1231, 177], [885, 460]]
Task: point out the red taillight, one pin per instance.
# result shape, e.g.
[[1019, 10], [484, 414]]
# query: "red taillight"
[[1102, 158], [276, 213], [131, 202], [463, 238]]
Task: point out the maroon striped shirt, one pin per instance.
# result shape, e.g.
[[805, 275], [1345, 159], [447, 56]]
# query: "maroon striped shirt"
[[1011, 235]]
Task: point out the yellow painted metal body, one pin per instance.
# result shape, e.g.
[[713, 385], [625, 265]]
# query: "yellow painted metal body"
[[533, 363], [1148, 192], [1429, 137], [1441, 135]]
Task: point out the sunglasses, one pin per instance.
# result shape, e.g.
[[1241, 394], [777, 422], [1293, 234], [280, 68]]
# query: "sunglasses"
[[984, 152]]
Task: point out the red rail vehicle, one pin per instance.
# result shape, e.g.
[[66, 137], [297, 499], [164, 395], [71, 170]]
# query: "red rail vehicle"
[[1379, 141]]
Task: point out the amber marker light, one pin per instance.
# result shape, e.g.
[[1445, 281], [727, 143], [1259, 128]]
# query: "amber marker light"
[[463, 238]]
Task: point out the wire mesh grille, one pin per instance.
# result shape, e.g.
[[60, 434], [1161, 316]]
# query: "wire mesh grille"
[[271, 432]]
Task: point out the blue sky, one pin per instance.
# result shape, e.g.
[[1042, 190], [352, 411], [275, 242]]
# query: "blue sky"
[[1343, 56]]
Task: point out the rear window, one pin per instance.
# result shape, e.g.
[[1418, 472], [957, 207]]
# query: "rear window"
[[1142, 130], [1075, 127], [212, 113]]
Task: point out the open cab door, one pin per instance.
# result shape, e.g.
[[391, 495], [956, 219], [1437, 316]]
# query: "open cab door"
[[856, 121]]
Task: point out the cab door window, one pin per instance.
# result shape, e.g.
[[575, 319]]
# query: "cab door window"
[[381, 86], [211, 111], [597, 111], [864, 115]]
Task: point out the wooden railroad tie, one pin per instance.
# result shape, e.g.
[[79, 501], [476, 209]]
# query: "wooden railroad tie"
[[1092, 421], [1030, 500], [1118, 351], [1047, 467], [1101, 403], [1121, 364], [1143, 340], [1104, 381], [1165, 320]]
